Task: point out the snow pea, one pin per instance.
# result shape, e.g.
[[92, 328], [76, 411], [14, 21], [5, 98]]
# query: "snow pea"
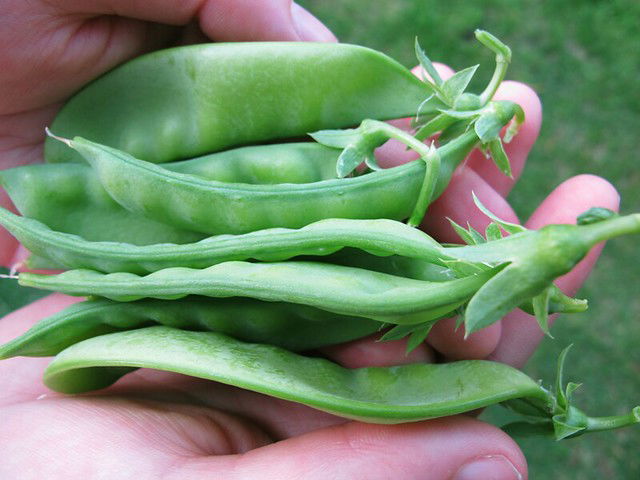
[[69, 198], [338, 289], [188, 101], [294, 327], [399, 394], [191, 203]]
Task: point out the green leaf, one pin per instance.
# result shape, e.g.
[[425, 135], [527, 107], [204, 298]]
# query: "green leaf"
[[562, 429], [434, 126], [477, 236], [453, 131], [507, 226], [529, 429], [488, 126], [457, 83], [349, 160], [463, 268], [493, 232], [571, 387], [427, 65], [462, 233], [418, 336], [541, 310], [563, 402], [337, 138], [500, 157]]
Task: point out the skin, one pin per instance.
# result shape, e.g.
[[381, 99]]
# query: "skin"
[[164, 425]]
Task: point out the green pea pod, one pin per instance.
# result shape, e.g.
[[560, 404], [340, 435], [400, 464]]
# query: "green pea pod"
[[189, 202], [187, 101], [532, 260], [294, 327], [68, 198], [384, 395], [383, 237], [338, 289]]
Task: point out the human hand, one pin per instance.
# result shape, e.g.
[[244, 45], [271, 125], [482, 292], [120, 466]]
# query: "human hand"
[[148, 409]]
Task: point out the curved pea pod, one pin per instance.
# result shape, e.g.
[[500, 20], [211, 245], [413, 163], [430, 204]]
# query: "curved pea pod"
[[69, 198], [338, 289], [294, 327], [532, 260], [189, 202], [187, 101], [384, 395], [383, 237]]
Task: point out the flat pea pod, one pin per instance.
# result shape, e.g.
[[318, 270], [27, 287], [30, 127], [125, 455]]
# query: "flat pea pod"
[[188, 101], [189, 202], [399, 394], [338, 289], [294, 327], [69, 198], [382, 236]]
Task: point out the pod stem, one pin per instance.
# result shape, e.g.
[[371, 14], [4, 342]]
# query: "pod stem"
[[503, 58], [611, 228], [597, 424]]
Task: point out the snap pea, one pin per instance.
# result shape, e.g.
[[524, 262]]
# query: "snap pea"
[[68, 198], [188, 101], [343, 290], [383, 395], [294, 327], [382, 237], [188, 202]]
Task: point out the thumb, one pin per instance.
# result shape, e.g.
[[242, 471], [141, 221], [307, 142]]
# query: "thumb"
[[457, 448]]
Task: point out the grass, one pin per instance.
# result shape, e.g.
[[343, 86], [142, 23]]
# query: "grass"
[[583, 59]]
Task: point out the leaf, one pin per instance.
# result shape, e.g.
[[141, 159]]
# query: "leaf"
[[560, 392], [453, 131], [455, 86], [571, 387], [499, 157], [562, 429], [427, 65], [349, 160], [433, 126], [337, 138], [462, 233], [493, 232], [507, 226], [529, 429], [463, 268], [488, 126], [398, 332], [541, 310], [477, 237], [418, 336]]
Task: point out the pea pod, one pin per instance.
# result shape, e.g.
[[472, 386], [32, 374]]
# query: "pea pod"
[[68, 198], [294, 327], [188, 202], [343, 290], [188, 101], [405, 393]]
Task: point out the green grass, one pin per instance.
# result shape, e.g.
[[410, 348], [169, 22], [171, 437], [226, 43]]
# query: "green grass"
[[583, 58]]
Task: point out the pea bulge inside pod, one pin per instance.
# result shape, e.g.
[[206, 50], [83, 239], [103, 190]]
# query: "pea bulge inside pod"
[[187, 101]]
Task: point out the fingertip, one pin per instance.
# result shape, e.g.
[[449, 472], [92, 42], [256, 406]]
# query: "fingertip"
[[450, 342]]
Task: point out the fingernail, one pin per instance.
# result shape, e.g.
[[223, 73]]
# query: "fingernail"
[[491, 467], [309, 27]]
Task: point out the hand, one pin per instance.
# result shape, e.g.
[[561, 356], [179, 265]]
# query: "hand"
[[154, 424]]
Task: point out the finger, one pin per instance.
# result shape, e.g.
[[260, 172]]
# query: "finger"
[[456, 448], [20, 378], [450, 341], [370, 352], [223, 20], [518, 149], [520, 332]]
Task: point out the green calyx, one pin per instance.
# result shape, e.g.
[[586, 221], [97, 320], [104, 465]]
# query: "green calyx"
[[559, 417]]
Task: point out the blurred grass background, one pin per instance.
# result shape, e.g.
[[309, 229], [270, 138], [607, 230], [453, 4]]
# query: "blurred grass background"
[[583, 58]]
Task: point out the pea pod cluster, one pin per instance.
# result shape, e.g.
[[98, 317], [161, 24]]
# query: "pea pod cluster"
[[230, 265]]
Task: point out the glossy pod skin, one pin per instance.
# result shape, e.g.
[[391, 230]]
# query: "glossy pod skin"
[[382, 236], [188, 101], [343, 290], [191, 203], [399, 394], [69, 198], [293, 327]]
